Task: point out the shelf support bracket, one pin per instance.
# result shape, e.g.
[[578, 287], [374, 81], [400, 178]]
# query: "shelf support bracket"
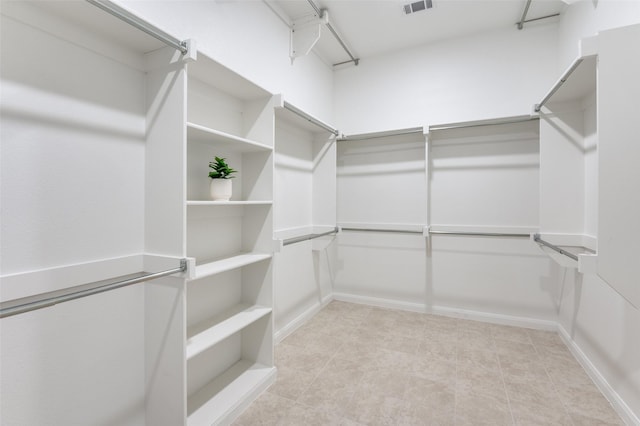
[[305, 33]]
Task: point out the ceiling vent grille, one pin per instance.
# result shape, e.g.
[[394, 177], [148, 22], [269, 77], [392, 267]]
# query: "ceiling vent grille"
[[417, 6]]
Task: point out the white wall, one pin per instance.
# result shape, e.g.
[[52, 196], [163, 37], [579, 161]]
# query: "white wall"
[[497, 74], [586, 18], [491, 75], [249, 38], [72, 191]]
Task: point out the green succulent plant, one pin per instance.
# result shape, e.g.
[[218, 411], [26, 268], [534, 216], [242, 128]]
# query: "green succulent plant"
[[221, 169]]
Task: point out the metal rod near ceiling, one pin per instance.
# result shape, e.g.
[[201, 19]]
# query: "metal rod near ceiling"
[[524, 19], [524, 15], [337, 37]]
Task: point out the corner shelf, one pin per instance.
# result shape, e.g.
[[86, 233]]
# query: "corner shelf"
[[229, 263]]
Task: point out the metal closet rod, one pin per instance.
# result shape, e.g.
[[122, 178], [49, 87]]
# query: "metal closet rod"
[[138, 23], [559, 84], [355, 60], [375, 135], [524, 19], [31, 303], [480, 234], [537, 239], [309, 118], [399, 231], [307, 237]]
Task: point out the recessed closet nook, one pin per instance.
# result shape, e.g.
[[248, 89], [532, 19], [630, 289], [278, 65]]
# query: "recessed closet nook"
[[489, 177]]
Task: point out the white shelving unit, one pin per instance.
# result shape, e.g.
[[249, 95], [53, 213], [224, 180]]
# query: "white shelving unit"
[[305, 181], [229, 302], [568, 161]]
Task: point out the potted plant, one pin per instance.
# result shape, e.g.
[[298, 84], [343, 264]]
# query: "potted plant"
[[221, 175]]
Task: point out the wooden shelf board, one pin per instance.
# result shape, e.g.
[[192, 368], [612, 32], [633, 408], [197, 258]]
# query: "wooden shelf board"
[[210, 332], [229, 263], [196, 132], [214, 402]]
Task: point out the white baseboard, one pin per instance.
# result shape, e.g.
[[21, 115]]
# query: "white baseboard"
[[449, 312], [618, 403], [494, 318], [380, 302], [300, 320]]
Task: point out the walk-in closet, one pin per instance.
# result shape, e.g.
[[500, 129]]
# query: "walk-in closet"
[[319, 212]]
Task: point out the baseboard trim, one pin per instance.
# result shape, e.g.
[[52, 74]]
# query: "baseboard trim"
[[300, 320], [612, 396], [449, 312], [379, 302]]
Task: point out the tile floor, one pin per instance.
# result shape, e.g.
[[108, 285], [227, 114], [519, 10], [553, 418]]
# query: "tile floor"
[[361, 365]]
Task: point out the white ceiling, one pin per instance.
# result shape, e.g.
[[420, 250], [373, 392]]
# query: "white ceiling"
[[374, 27]]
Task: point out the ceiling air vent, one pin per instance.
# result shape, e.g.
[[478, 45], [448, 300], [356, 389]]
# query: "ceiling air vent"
[[418, 6]]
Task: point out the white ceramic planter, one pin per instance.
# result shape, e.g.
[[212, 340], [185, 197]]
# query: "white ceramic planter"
[[221, 189]]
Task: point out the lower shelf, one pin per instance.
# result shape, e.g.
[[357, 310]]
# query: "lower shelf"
[[209, 333], [239, 385]]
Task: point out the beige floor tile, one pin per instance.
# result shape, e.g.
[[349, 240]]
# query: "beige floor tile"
[[534, 392], [523, 369], [441, 371], [588, 402], [291, 383], [433, 350], [516, 334], [267, 410], [301, 414], [534, 414], [388, 383], [478, 382], [391, 360], [477, 359], [374, 409], [436, 396], [478, 409], [472, 339], [356, 365], [419, 415], [332, 394], [514, 348]]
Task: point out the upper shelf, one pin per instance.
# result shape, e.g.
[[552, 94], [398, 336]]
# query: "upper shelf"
[[217, 75], [227, 141], [577, 82], [294, 115]]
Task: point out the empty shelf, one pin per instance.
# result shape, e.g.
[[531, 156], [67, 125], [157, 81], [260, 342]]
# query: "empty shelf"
[[215, 401], [208, 333], [229, 263], [195, 132]]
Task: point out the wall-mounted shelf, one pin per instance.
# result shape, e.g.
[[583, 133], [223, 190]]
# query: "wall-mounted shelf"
[[223, 140], [229, 263], [569, 251], [212, 331], [577, 82]]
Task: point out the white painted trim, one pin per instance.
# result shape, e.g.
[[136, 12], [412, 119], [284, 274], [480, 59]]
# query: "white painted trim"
[[450, 312], [612, 396], [493, 318], [380, 302], [300, 320]]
